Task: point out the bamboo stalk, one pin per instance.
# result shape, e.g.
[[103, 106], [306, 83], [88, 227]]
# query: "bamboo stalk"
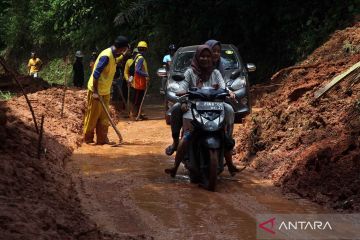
[[14, 75], [40, 136], [292, 68], [65, 88], [336, 80]]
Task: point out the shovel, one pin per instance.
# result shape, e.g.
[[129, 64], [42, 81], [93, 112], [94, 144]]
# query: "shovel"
[[111, 121], [141, 105], [122, 98]]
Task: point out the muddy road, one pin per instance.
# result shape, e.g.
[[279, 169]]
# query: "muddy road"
[[125, 190]]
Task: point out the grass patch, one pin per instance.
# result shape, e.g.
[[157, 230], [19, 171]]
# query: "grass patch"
[[350, 48], [55, 72], [6, 95]]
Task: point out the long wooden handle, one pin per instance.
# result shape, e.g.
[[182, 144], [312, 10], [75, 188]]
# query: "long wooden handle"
[[111, 121], [122, 97], [128, 98], [141, 105]]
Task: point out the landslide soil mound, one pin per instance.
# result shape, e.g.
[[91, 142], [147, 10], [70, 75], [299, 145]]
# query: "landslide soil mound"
[[307, 146], [37, 197]]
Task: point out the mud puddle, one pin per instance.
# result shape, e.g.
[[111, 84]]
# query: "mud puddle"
[[125, 190]]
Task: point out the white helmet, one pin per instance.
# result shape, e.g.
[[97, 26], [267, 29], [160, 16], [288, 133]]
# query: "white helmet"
[[79, 54]]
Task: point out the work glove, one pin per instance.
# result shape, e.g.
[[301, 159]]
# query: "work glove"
[[131, 78]]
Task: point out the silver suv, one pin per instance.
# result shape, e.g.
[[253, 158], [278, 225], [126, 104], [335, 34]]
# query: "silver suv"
[[236, 78]]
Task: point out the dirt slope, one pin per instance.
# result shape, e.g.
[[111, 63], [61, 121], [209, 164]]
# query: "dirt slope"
[[37, 197], [305, 146]]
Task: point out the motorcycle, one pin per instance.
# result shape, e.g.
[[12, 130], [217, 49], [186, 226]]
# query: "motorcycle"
[[162, 73], [207, 140]]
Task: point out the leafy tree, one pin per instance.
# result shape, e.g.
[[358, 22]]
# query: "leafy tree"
[[271, 34]]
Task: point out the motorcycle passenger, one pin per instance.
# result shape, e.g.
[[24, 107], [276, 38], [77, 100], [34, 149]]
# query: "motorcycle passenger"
[[200, 74], [218, 61], [218, 64]]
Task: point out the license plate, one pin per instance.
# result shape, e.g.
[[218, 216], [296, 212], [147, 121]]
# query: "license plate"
[[209, 106]]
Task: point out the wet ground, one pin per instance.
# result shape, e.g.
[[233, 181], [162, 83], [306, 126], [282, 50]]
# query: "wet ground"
[[125, 190]]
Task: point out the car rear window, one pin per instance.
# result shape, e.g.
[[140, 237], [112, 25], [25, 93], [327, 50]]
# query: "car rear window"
[[183, 60]]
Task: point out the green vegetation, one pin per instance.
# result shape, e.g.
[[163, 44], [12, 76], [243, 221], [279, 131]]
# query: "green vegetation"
[[272, 34], [56, 71], [5, 95]]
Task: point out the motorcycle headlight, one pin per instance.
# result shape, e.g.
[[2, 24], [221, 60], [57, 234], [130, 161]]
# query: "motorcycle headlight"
[[209, 125], [214, 124], [238, 83]]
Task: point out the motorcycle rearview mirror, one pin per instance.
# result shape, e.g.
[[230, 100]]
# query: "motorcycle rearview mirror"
[[251, 67], [235, 74], [178, 77], [161, 72]]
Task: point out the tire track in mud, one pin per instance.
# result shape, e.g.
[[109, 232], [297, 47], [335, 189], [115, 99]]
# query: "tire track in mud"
[[125, 190]]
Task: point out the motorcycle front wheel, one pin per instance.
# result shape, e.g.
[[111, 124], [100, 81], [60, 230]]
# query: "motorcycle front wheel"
[[213, 164]]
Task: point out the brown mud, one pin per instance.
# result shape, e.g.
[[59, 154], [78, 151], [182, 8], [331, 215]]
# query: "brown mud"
[[125, 190], [38, 199], [307, 146]]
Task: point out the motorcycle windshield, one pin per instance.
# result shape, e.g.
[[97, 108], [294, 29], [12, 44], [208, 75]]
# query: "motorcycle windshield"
[[207, 93]]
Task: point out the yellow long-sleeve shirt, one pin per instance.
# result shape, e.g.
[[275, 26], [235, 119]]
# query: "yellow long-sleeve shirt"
[[34, 65]]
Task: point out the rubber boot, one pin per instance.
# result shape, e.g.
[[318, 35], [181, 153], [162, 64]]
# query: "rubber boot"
[[89, 137], [101, 135], [231, 167]]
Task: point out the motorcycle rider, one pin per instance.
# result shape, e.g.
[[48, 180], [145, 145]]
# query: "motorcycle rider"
[[200, 74], [167, 60], [176, 109]]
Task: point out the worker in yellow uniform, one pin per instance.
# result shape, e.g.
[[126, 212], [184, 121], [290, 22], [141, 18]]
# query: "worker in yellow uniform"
[[99, 86], [141, 79], [34, 65]]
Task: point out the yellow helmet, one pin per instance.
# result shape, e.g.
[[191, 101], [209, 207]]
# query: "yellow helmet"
[[142, 44]]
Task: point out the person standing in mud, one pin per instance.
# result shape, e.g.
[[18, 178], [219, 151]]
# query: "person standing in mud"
[[99, 87], [141, 80], [34, 65], [78, 70]]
